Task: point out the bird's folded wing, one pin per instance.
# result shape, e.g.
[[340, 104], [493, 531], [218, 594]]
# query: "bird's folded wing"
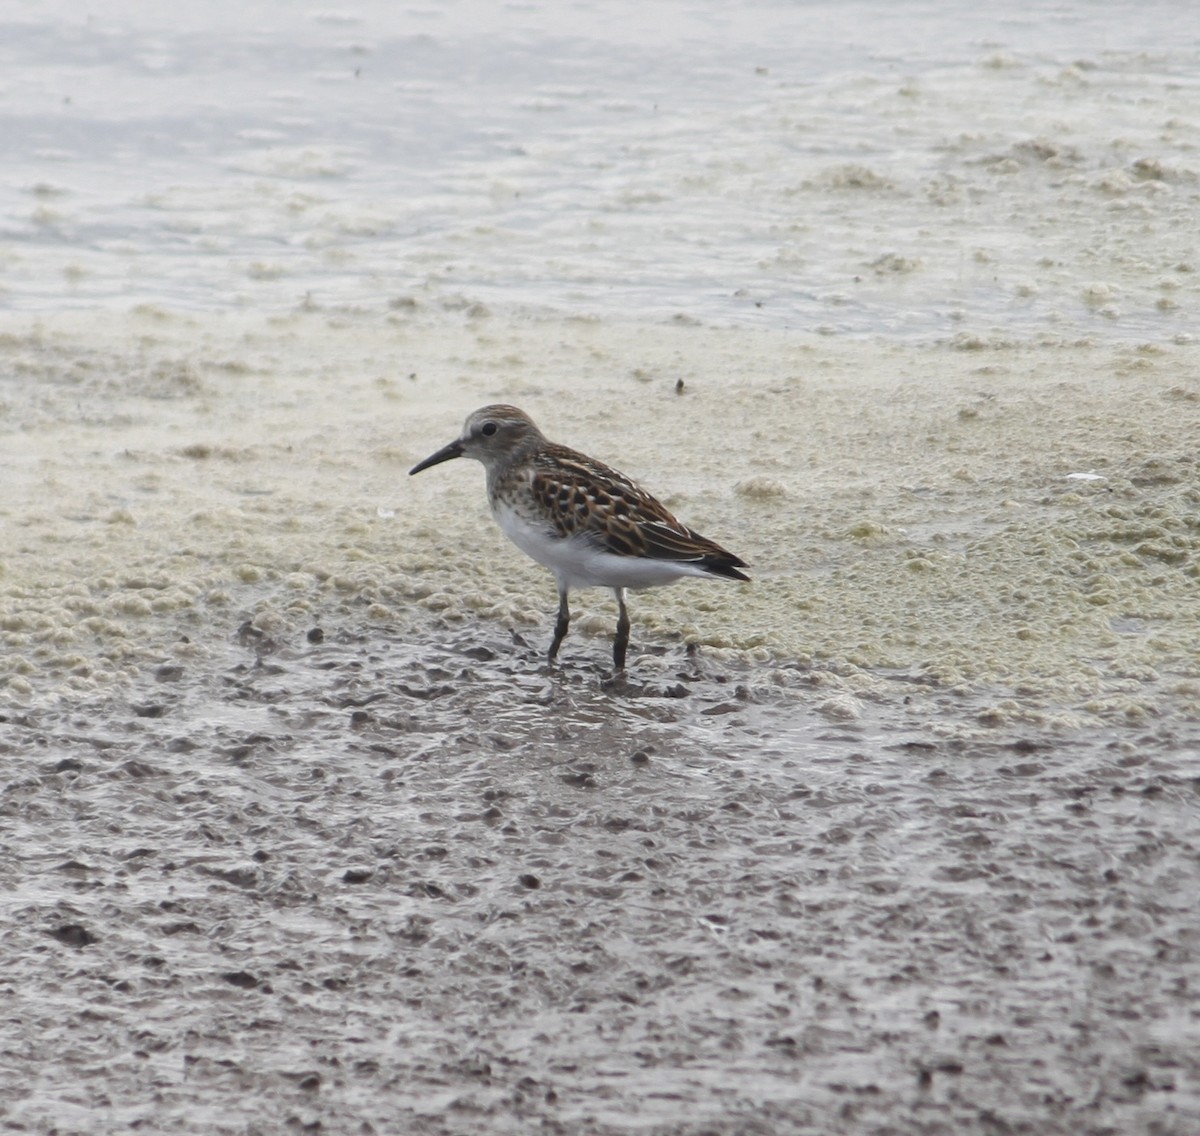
[[586, 498]]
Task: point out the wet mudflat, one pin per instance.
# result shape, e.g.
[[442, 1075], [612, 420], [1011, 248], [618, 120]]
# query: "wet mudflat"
[[897, 303], [331, 883]]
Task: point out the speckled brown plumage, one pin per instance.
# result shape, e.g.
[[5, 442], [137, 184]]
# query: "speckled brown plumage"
[[582, 496], [585, 521]]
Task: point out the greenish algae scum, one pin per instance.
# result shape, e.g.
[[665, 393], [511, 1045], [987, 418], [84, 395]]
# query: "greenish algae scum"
[[1013, 519]]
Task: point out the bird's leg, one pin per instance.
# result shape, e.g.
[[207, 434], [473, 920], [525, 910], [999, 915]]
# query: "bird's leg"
[[621, 642], [562, 623]]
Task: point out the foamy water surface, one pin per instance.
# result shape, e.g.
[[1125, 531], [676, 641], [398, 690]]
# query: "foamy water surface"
[[910, 169]]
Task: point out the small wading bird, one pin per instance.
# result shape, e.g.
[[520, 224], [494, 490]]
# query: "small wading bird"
[[590, 525]]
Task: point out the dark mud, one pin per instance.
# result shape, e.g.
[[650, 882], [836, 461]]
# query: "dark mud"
[[331, 884]]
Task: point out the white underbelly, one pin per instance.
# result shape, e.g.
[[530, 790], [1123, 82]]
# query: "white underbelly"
[[577, 563]]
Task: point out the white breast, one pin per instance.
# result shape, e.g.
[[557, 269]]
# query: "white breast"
[[577, 563]]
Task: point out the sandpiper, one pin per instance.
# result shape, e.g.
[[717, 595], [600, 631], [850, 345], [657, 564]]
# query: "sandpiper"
[[590, 525]]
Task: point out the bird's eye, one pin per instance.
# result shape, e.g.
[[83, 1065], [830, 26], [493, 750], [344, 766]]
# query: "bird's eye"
[[488, 429]]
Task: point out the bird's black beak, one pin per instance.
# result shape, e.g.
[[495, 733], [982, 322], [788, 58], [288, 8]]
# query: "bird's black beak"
[[454, 450]]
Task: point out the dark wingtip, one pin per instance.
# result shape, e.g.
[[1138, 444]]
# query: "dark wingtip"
[[728, 568]]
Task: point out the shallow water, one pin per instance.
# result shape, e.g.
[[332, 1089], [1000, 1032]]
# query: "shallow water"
[[299, 829], [913, 170]]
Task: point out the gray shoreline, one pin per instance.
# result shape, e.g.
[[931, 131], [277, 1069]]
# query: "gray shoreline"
[[367, 884]]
